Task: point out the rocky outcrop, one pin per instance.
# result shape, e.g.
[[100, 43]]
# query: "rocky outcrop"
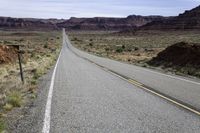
[[189, 20], [102, 23], [28, 23], [97, 23], [179, 54]]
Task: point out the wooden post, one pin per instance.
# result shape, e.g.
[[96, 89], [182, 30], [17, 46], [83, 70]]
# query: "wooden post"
[[20, 65]]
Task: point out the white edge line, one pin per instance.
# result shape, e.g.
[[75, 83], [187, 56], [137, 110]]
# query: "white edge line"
[[47, 117], [170, 76], [139, 85]]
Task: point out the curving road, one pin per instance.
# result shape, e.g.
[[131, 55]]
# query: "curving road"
[[86, 98]]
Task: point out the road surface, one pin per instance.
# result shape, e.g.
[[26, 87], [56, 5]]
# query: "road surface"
[[84, 98]]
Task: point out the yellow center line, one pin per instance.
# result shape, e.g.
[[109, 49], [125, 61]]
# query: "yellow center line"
[[140, 85], [171, 100], [134, 82]]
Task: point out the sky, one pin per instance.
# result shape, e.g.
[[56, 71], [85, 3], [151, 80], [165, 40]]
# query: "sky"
[[93, 8]]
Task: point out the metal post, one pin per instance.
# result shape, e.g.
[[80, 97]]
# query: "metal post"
[[20, 65]]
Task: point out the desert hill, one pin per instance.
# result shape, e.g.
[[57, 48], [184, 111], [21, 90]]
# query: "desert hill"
[[28, 23], [189, 20], [103, 23]]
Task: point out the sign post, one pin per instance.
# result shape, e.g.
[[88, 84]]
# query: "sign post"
[[20, 65], [19, 54]]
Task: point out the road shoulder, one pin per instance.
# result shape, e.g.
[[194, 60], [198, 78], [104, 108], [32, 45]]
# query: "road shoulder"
[[31, 120]]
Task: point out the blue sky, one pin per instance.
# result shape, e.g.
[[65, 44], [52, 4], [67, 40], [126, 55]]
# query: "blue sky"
[[90, 8]]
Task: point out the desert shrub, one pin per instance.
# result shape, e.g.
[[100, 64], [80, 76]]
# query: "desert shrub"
[[8, 107], [2, 125], [136, 48], [138, 54], [33, 82], [129, 49], [119, 50], [90, 44], [75, 39], [15, 99], [107, 49], [7, 42], [45, 45], [191, 71], [123, 47], [38, 73]]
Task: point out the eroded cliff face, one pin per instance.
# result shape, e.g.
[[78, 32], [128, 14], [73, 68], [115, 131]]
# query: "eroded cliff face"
[[27, 23], [189, 20], [102, 23], [97, 23]]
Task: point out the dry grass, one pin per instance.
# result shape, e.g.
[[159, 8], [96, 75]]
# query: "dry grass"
[[41, 50], [137, 48], [2, 125]]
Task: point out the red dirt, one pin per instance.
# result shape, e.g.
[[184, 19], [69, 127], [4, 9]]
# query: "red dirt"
[[8, 54], [180, 54]]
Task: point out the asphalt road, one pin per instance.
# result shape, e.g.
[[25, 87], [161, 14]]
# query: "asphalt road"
[[185, 90], [87, 99]]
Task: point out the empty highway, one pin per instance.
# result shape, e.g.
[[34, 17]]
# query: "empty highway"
[[89, 94]]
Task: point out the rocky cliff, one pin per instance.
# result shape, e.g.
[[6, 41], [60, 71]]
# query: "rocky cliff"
[[28, 23], [102, 23], [189, 20]]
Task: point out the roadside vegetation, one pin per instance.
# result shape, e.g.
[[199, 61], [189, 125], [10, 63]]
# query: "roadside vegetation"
[[40, 53], [136, 48]]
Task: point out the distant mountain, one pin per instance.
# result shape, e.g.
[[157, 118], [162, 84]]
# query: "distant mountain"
[[97, 23], [103, 23], [187, 20], [28, 23]]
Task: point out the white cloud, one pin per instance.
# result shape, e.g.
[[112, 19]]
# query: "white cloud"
[[91, 8]]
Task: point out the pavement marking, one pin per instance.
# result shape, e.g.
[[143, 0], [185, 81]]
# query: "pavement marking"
[[47, 117], [134, 82], [142, 86], [170, 76], [171, 100]]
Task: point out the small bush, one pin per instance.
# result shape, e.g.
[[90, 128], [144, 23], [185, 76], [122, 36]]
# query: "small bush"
[[138, 54], [8, 107], [2, 126], [123, 47], [15, 99], [119, 50], [107, 49], [136, 48], [38, 73], [33, 82], [46, 45], [129, 49], [90, 44], [75, 39], [144, 65]]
